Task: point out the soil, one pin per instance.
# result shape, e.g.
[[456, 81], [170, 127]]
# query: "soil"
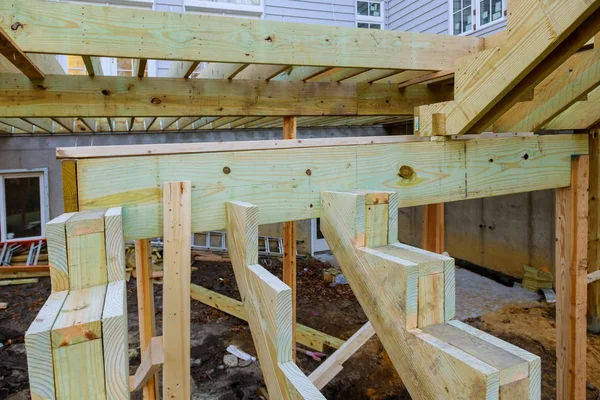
[[333, 310]]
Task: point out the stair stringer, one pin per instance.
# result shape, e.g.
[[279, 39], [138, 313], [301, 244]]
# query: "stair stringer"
[[387, 289]]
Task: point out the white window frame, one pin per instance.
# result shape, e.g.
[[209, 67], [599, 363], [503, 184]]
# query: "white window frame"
[[225, 9], [367, 19], [41, 173], [475, 26], [316, 245]]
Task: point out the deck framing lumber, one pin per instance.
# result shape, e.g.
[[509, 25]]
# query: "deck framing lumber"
[[80, 96], [151, 361], [177, 203], [432, 238], [593, 301], [12, 52], [541, 37], [430, 172], [143, 34], [571, 283]]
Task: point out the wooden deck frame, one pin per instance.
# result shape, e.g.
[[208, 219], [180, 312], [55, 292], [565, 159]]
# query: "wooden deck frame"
[[498, 148]]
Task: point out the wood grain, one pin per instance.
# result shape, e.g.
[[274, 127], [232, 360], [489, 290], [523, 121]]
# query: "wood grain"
[[56, 237], [115, 340]]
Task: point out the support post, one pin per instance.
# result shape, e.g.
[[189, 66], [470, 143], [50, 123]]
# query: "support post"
[[177, 225], [433, 228], [145, 298], [289, 243], [593, 302], [571, 282]]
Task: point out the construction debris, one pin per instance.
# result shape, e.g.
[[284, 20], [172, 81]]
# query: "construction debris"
[[535, 279]]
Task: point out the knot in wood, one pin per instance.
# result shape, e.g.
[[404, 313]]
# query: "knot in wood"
[[406, 172], [226, 170]]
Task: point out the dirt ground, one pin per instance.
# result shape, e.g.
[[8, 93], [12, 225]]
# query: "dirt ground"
[[334, 310]]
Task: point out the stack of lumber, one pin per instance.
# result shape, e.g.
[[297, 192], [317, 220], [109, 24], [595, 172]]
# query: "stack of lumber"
[[535, 279]]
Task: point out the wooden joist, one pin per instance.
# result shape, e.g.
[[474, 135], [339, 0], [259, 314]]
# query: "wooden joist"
[[135, 33], [432, 238], [420, 172], [93, 66], [487, 84], [105, 96], [12, 52], [581, 115]]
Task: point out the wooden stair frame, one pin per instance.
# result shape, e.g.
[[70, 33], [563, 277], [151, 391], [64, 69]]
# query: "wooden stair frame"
[[408, 296], [77, 347]]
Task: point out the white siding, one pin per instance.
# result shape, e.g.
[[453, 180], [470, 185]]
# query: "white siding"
[[336, 12]]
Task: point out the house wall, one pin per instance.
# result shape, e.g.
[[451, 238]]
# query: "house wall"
[[336, 12], [428, 16]]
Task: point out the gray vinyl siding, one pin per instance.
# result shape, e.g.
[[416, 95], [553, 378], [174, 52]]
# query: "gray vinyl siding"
[[336, 12], [427, 16], [423, 16]]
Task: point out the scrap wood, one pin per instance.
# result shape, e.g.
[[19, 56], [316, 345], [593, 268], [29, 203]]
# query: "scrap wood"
[[18, 281]]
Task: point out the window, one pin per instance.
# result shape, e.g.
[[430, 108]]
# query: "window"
[[369, 14], [23, 204], [470, 15]]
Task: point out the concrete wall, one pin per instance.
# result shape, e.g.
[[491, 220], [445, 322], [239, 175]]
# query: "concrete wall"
[[500, 233]]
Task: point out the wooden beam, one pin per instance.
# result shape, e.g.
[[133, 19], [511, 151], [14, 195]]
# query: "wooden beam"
[[115, 244], [571, 283], [56, 237], [420, 172], [93, 66], [305, 336], [120, 96], [540, 39], [593, 291], [432, 238], [150, 363], [129, 33], [430, 78], [145, 301], [12, 52], [333, 364], [289, 242], [579, 75], [177, 204], [267, 301]]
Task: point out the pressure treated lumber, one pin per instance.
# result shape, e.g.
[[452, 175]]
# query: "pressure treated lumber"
[[121, 96], [432, 172], [69, 185], [12, 52], [333, 364], [432, 238], [593, 291], [135, 33], [80, 318], [115, 244], [571, 282], [151, 361], [93, 66], [115, 341], [541, 36], [581, 115], [56, 239], [433, 358], [145, 301], [304, 335], [562, 88], [289, 243], [177, 204], [70, 361], [39, 348], [268, 303]]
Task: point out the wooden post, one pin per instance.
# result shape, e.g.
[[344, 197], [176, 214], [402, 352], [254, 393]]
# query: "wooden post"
[[289, 243], [571, 283], [177, 225], [433, 228], [145, 298], [593, 303]]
